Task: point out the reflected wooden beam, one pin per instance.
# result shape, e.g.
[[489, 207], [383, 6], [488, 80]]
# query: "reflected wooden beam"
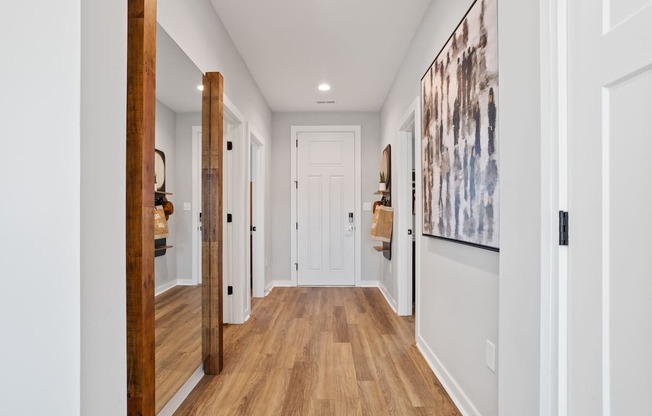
[[212, 222], [141, 96]]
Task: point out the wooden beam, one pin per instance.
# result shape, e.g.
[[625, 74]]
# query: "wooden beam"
[[141, 104], [212, 221]]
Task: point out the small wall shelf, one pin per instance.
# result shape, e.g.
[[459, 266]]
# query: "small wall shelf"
[[162, 248], [383, 193], [163, 193], [381, 248]]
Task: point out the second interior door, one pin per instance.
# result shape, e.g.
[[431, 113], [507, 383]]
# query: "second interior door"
[[325, 199]]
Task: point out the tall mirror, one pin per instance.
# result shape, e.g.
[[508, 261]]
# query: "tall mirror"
[[178, 294]]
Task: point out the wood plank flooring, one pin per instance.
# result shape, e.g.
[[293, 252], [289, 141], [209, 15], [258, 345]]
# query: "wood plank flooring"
[[321, 351], [178, 340]]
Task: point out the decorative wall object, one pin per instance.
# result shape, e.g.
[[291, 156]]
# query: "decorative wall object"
[[459, 95]]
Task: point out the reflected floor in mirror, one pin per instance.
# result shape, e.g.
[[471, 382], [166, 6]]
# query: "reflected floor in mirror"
[[178, 340]]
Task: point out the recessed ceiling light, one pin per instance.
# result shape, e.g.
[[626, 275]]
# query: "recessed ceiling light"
[[200, 87], [324, 87]]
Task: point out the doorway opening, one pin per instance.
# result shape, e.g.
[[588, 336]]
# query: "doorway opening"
[[408, 211], [255, 255]]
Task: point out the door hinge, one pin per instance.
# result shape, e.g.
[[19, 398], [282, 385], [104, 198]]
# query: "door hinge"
[[296, 225], [229, 217], [296, 266], [563, 228], [297, 141], [229, 145], [296, 184], [229, 290]]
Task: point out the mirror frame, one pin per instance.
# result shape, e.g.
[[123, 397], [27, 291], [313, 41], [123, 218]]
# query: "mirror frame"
[[141, 108]]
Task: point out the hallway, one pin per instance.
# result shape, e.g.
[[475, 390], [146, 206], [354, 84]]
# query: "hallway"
[[321, 351]]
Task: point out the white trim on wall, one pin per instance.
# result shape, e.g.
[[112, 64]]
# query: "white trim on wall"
[[196, 203], [454, 390], [294, 131], [554, 178], [239, 234], [177, 400]]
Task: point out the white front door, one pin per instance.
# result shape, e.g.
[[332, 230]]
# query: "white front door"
[[610, 208], [325, 207]]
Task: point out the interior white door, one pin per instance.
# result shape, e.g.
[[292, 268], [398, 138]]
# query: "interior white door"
[[325, 208], [609, 200]]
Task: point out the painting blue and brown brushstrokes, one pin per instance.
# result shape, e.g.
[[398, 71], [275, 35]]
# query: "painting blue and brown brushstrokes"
[[459, 96]]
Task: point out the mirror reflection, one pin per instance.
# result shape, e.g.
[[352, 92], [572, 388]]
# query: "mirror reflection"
[[178, 229]]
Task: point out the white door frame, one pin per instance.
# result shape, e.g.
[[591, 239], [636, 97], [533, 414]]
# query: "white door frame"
[[196, 204], [240, 303], [255, 148], [239, 234], [554, 197], [356, 130], [411, 118]]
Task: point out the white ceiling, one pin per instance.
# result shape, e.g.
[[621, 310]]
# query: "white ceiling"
[[177, 77], [292, 46]]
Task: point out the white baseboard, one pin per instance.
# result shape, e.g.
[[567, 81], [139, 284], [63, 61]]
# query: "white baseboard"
[[182, 393], [269, 287], [278, 283], [390, 300], [165, 287], [369, 283], [461, 400], [174, 283]]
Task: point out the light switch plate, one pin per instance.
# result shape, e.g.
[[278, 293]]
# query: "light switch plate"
[[366, 206], [186, 206], [491, 356]]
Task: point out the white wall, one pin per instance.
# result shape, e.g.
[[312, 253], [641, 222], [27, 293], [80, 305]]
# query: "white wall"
[[183, 193], [103, 163], [197, 29], [464, 288], [280, 201], [165, 266], [521, 209], [458, 311], [40, 221]]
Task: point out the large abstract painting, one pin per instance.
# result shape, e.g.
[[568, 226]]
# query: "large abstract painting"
[[460, 133]]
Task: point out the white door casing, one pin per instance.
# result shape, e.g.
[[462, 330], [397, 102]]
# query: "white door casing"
[[609, 200], [236, 236], [411, 121], [326, 246], [196, 204], [256, 174]]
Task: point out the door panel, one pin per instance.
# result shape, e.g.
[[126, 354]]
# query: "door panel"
[[325, 162], [610, 266]]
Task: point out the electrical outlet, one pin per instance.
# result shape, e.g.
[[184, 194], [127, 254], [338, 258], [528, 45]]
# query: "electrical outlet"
[[186, 206], [366, 206], [490, 356]]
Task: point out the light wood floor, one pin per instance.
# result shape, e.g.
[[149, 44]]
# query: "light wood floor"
[[321, 351], [178, 339]]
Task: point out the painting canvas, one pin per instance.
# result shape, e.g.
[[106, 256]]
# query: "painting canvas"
[[459, 95]]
